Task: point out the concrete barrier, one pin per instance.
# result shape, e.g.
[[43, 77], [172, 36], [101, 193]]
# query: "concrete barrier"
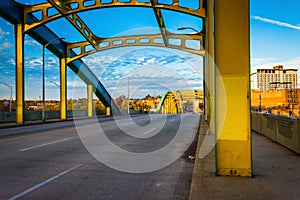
[[7, 117], [76, 113], [268, 126], [281, 129], [287, 133], [256, 122]]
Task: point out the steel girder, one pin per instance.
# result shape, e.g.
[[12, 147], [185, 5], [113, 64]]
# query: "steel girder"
[[160, 21], [174, 100], [69, 8], [168, 103], [176, 41], [14, 13]]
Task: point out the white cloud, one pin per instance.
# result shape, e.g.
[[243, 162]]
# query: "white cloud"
[[271, 21], [3, 33], [5, 45], [33, 62], [31, 42], [12, 61], [261, 61]]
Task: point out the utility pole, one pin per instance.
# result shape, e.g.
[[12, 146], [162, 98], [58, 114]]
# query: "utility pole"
[[128, 98], [43, 76]]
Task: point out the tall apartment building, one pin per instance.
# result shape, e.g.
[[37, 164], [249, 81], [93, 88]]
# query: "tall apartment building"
[[276, 78]]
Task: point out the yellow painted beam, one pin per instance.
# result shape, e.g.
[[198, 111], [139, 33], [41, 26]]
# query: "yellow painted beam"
[[19, 45], [90, 100], [63, 89], [200, 12], [232, 57], [75, 20], [125, 41], [107, 111], [210, 65]]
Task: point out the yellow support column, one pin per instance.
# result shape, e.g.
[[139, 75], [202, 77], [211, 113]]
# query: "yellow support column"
[[19, 40], [63, 89], [108, 111], [232, 56], [210, 67], [90, 100]]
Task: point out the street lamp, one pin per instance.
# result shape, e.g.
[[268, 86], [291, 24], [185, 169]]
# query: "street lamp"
[[185, 28], [10, 99], [291, 93], [54, 84], [43, 75]]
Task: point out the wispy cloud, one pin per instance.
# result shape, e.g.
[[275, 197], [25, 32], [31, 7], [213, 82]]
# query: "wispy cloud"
[[261, 61], [278, 23], [31, 42], [3, 33]]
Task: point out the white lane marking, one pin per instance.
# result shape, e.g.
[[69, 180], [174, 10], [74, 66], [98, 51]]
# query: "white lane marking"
[[41, 145], [172, 120], [149, 131], [43, 183]]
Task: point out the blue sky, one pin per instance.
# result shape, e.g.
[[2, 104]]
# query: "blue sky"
[[275, 39]]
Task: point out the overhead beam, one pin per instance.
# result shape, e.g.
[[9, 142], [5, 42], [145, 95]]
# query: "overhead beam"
[[191, 43], [68, 8], [79, 6], [160, 22], [43, 10], [76, 21], [12, 12]]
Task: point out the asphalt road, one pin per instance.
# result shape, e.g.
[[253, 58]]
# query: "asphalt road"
[[56, 161]]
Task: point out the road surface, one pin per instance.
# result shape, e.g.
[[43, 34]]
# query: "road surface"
[[49, 161]]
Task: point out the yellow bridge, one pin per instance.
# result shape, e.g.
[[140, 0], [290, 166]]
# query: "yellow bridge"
[[224, 42], [183, 101]]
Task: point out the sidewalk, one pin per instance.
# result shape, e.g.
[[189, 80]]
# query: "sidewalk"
[[276, 174]]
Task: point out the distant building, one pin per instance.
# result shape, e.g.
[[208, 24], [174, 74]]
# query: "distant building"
[[276, 78], [281, 101]]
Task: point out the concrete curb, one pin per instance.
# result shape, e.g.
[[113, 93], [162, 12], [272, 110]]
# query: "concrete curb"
[[198, 165]]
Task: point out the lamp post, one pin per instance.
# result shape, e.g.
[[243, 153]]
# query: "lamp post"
[[43, 75], [10, 98], [291, 93], [185, 28], [260, 109], [54, 84], [128, 111]]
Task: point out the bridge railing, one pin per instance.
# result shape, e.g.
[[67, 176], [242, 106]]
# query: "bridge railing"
[[281, 129], [8, 117]]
